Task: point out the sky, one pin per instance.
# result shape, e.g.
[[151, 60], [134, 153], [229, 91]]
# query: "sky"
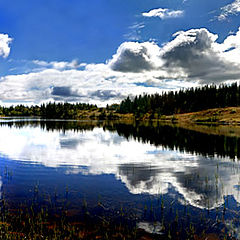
[[103, 51]]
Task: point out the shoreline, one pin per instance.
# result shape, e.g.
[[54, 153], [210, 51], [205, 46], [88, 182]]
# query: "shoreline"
[[215, 116]]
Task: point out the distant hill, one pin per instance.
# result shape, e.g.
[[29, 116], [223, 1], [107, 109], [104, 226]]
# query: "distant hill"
[[183, 101]]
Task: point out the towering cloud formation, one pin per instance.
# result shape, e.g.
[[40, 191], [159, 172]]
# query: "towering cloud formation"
[[135, 57], [198, 54], [5, 41], [192, 57]]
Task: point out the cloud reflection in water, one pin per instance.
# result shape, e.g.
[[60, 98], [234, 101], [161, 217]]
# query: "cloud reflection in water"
[[143, 168]]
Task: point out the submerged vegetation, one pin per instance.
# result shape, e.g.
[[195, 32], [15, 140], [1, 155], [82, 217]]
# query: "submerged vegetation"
[[52, 221], [159, 219]]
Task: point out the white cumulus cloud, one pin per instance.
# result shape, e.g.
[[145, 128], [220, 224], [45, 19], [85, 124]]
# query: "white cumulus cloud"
[[164, 13], [193, 55], [191, 58], [230, 9], [135, 57], [96, 84], [5, 41], [198, 54], [59, 65]]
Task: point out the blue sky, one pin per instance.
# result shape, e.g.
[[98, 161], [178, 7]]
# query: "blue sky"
[[105, 50]]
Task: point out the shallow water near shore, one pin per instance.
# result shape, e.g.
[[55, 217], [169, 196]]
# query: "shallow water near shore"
[[166, 180]]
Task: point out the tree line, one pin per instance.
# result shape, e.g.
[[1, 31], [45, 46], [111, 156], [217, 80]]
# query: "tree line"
[[183, 101], [155, 105], [48, 110]]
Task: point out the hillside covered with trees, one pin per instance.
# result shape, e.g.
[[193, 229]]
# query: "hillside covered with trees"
[[142, 106], [183, 101]]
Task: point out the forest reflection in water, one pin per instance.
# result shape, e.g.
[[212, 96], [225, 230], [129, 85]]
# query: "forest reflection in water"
[[201, 165], [222, 141]]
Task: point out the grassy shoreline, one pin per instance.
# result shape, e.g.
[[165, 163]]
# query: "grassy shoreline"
[[215, 116], [218, 116]]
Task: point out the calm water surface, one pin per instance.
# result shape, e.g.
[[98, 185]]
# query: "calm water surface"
[[154, 173]]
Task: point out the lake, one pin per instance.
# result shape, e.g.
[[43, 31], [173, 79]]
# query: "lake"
[[163, 180]]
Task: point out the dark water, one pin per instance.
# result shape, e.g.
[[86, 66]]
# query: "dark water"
[[153, 173]]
